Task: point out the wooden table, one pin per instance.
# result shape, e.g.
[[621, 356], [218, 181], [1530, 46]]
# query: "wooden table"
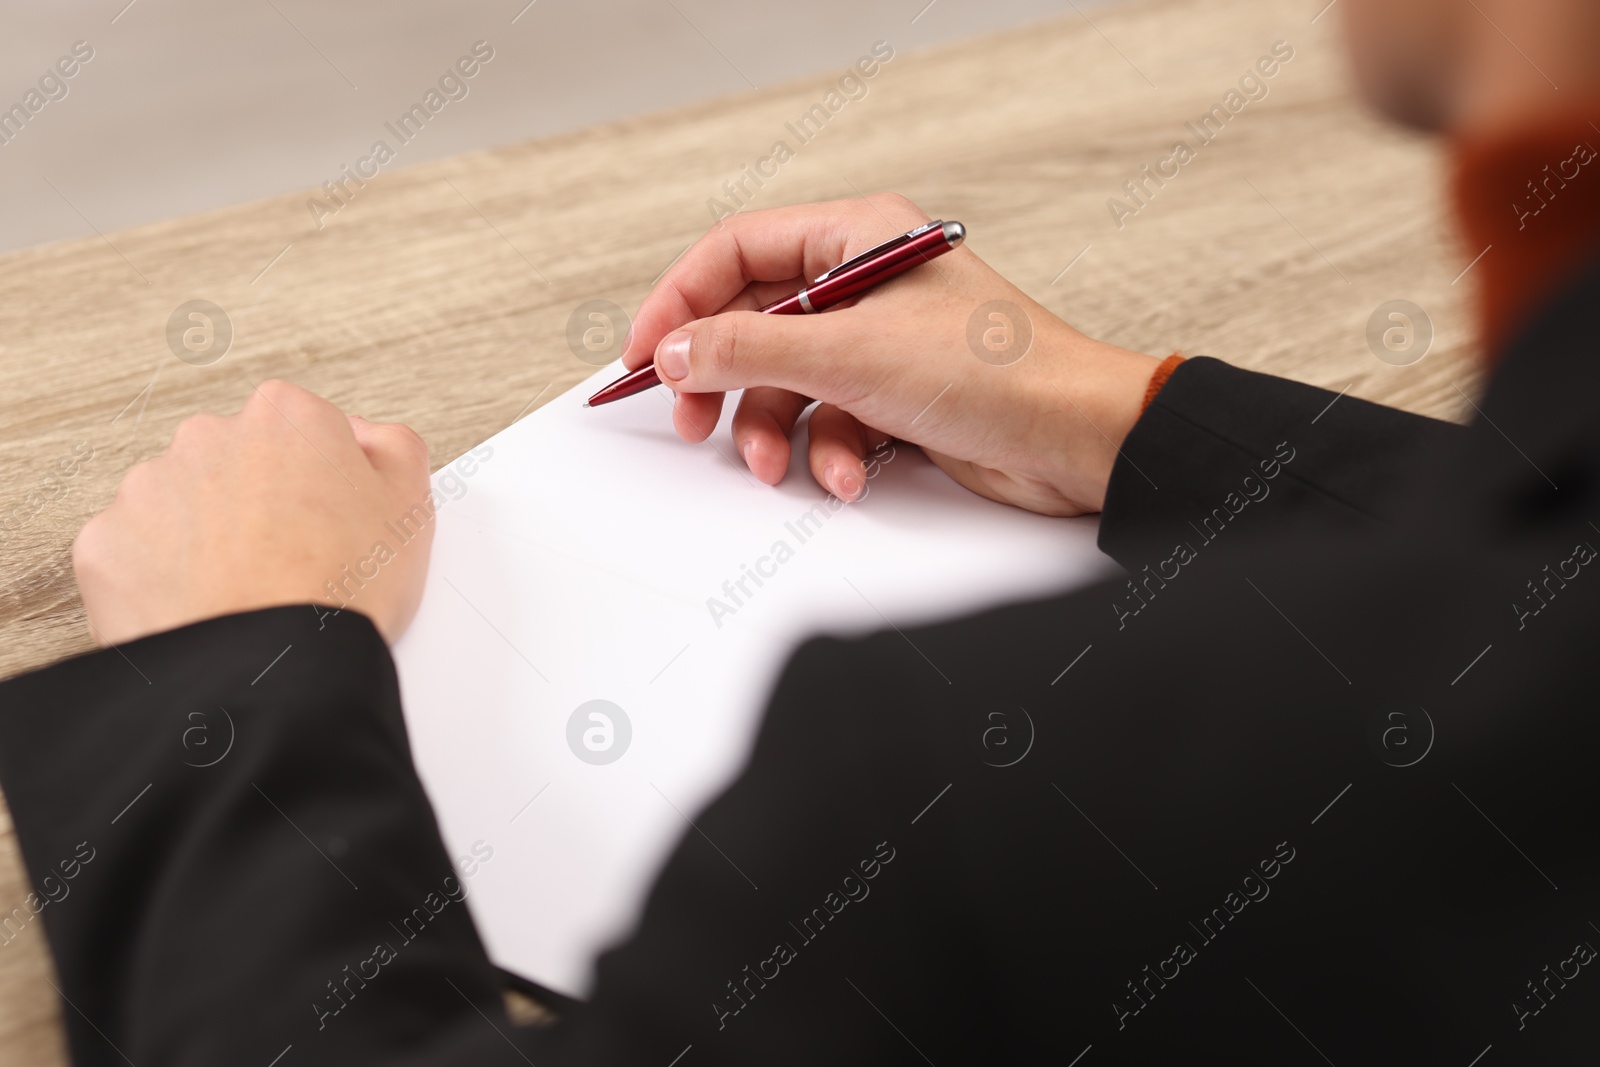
[[440, 294]]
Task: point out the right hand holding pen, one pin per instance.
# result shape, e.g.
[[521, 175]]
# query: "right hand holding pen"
[[1040, 431]]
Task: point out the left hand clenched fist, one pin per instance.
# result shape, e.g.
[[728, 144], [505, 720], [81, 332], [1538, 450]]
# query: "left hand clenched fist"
[[276, 505]]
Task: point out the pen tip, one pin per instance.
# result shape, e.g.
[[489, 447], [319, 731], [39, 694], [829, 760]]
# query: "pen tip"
[[587, 404]]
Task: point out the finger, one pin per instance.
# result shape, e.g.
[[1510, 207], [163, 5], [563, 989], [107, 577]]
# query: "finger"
[[813, 355], [761, 428], [396, 451], [754, 296], [695, 415], [838, 450], [758, 246], [776, 244]]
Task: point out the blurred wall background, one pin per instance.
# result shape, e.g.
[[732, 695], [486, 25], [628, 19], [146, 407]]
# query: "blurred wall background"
[[188, 105]]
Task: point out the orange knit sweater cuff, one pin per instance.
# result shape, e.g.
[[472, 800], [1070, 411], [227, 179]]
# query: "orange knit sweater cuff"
[[1163, 371]]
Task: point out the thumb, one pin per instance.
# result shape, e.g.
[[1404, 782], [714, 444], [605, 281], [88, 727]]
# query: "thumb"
[[814, 355]]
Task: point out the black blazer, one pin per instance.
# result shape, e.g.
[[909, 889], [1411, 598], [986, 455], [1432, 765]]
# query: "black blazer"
[[1314, 783]]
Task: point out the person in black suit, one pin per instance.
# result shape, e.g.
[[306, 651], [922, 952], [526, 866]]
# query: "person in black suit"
[[1311, 783]]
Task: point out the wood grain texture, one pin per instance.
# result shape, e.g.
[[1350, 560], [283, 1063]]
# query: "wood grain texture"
[[440, 295]]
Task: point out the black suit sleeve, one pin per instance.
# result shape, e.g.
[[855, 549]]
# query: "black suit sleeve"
[[232, 855], [1218, 442]]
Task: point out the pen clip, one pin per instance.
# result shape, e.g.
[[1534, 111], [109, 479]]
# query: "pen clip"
[[893, 242]]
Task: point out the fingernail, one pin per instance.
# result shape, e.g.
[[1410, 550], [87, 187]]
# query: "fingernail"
[[830, 479], [850, 487], [672, 356], [627, 340], [747, 450]]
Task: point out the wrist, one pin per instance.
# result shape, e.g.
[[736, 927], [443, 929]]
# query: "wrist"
[[1087, 396]]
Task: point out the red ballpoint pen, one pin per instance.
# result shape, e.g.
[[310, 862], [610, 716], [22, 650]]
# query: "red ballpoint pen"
[[851, 278]]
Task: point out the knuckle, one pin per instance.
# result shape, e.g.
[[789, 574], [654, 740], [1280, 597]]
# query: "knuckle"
[[276, 391], [722, 344], [196, 429], [89, 546], [412, 438], [897, 204], [409, 441], [280, 399], [83, 545], [137, 481]]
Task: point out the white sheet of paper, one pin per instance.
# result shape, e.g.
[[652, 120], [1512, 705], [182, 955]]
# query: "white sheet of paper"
[[576, 558]]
